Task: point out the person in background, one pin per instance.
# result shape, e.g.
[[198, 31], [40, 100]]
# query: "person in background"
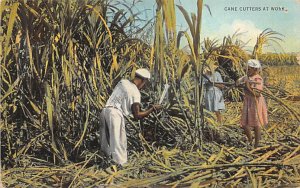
[[213, 96], [254, 111], [125, 100]]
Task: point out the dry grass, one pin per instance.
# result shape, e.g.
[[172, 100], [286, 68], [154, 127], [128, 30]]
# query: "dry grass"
[[285, 77]]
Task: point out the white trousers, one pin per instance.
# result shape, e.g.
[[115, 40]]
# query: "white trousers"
[[113, 135]]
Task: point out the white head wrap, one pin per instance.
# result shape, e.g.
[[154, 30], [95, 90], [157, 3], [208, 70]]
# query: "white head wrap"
[[144, 73], [253, 63]]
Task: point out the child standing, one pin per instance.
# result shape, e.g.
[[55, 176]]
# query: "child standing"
[[254, 111], [213, 97]]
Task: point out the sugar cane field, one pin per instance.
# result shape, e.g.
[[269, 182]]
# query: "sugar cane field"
[[60, 61]]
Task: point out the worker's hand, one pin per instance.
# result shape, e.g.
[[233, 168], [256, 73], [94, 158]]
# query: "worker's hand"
[[156, 106], [220, 86]]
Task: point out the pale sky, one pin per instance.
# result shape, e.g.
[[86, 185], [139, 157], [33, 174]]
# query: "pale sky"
[[249, 17]]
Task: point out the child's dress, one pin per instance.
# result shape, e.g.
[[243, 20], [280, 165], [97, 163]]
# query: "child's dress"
[[254, 112], [213, 96]]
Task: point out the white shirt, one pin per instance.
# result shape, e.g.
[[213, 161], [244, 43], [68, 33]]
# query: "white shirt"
[[124, 95]]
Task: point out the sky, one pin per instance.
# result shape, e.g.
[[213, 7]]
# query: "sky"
[[249, 18]]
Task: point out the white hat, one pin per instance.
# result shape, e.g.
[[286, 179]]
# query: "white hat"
[[253, 63], [144, 73]]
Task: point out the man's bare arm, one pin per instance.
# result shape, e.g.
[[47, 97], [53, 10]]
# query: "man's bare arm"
[[139, 114]]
